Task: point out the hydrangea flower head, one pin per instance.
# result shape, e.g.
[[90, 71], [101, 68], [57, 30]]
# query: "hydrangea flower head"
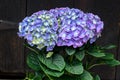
[[40, 29], [77, 28], [61, 27], [70, 27]]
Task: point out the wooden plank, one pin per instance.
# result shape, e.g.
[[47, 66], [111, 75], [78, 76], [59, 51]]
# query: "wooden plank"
[[12, 10], [11, 76], [11, 53], [11, 48], [7, 25], [118, 54], [61, 3], [36, 5], [84, 5], [118, 57]]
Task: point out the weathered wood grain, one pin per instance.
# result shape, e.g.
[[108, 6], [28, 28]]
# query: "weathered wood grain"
[[11, 48], [7, 25], [118, 54], [11, 52], [84, 5], [34, 6], [12, 10]]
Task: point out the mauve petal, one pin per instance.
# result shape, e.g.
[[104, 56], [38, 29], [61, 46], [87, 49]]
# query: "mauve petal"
[[78, 22], [92, 40], [70, 43], [69, 36], [91, 26], [85, 39], [63, 36], [73, 28], [21, 34], [37, 35], [23, 24], [59, 42], [76, 38], [29, 37], [77, 44], [67, 29], [76, 33], [50, 48], [99, 28], [82, 35], [97, 17]]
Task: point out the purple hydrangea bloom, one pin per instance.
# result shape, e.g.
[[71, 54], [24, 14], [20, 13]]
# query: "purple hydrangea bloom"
[[76, 28], [95, 25], [40, 29]]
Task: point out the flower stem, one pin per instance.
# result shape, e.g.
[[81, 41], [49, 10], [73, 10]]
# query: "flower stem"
[[44, 71], [95, 65], [31, 49], [71, 58]]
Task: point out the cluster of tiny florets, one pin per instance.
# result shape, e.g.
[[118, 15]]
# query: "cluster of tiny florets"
[[61, 27], [40, 29]]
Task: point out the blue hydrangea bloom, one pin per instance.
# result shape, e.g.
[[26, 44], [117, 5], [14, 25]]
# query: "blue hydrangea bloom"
[[40, 29]]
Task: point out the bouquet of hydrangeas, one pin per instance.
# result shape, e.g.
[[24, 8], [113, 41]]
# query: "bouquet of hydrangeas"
[[62, 44]]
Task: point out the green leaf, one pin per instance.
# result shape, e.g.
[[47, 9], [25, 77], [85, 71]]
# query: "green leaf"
[[38, 76], [109, 47], [82, 48], [56, 62], [53, 72], [29, 75], [32, 48], [49, 54], [80, 55], [70, 50], [112, 62], [97, 77], [32, 61], [108, 56], [86, 76], [50, 72], [74, 68], [96, 53]]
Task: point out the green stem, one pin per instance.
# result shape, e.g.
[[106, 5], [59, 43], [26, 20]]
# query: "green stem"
[[31, 49], [86, 65], [92, 61], [44, 71], [87, 61], [71, 58], [95, 65]]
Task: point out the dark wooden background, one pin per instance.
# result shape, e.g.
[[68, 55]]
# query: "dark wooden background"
[[12, 52]]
